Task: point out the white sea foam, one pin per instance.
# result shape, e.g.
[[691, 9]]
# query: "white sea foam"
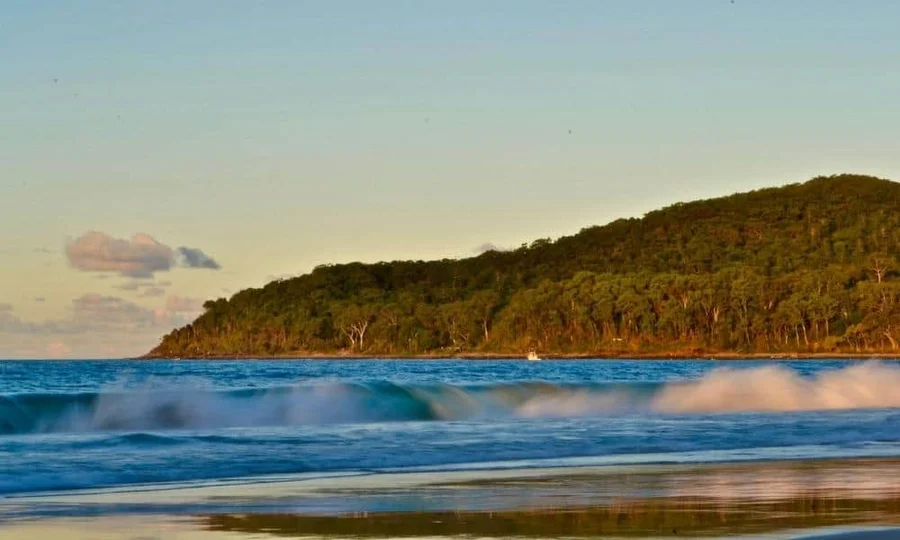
[[768, 388], [777, 388]]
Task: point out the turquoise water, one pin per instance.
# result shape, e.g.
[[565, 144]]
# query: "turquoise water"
[[97, 424]]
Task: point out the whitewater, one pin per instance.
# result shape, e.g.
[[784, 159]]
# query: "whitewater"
[[101, 424]]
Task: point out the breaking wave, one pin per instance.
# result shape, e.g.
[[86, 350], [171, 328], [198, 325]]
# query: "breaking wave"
[[769, 388], [870, 385]]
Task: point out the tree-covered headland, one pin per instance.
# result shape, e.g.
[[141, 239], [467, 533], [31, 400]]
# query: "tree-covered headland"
[[804, 268]]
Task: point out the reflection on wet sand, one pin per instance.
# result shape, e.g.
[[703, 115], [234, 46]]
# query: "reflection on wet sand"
[[721, 500], [674, 518], [641, 501]]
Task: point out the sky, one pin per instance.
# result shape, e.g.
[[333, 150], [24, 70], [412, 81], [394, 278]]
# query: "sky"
[[157, 154]]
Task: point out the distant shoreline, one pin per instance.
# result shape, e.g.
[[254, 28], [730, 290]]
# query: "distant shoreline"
[[548, 356]]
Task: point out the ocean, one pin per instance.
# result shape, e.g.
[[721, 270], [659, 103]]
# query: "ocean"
[[70, 430]]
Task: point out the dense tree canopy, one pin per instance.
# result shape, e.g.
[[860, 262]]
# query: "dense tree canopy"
[[809, 267]]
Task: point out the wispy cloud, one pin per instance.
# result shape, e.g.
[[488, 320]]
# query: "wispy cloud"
[[96, 325], [153, 292], [9, 322], [139, 257], [131, 285], [194, 258], [143, 287], [183, 304], [95, 312], [58, 349]]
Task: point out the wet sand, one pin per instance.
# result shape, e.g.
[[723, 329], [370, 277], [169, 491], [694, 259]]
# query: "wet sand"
[[753, 500]]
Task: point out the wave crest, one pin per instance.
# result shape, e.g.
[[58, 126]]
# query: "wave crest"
[[776, 388], [767, 388]]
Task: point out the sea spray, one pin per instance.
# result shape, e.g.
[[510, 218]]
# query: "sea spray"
[[774, 388], [86, 424], [766, 388]]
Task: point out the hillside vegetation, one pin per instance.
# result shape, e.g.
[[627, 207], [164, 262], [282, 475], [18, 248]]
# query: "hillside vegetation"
[[803, 268]]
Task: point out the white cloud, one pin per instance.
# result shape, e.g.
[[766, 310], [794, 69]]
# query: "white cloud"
[[139, 257]]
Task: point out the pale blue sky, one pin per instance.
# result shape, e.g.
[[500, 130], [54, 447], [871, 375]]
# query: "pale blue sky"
[[278, 135]]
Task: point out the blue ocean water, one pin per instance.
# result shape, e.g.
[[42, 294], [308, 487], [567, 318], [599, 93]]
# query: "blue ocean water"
[[93, 424]]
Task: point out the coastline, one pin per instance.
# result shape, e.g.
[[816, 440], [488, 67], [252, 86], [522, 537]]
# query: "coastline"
[[599, 356]]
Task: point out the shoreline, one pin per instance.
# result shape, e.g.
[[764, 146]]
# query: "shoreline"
[[599, 356], [783, 499]]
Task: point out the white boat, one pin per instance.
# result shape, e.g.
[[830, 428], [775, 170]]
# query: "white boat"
[[533, 356]]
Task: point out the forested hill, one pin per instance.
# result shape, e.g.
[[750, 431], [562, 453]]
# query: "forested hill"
[[804, 268]]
